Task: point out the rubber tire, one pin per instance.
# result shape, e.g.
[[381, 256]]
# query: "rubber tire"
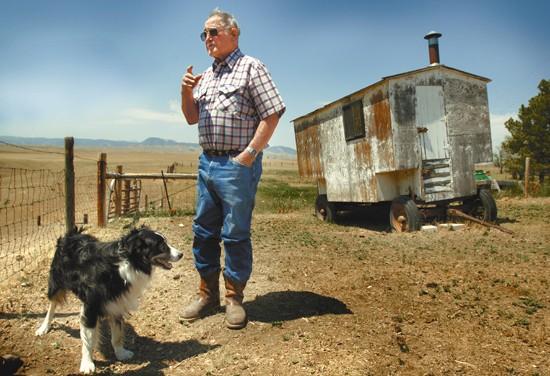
[[325, 210], [489, 206], [406, 207]]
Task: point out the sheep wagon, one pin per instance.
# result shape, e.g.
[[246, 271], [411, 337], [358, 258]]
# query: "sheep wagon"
[[409, 141]]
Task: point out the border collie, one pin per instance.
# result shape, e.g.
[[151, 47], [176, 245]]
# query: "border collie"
[[108, 278]]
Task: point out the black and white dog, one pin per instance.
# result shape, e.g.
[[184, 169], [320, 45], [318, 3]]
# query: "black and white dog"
[[108, 278]]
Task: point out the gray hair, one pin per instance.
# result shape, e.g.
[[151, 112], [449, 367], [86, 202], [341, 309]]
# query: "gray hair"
[[227, 19]]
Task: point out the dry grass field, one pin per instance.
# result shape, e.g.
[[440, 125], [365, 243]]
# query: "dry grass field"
[[324, 299]]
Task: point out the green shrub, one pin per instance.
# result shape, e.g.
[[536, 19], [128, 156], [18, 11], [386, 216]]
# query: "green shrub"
[[279, 197]]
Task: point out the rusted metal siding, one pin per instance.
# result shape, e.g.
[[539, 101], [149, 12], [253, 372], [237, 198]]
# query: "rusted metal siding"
[[348, 166], [403, 119], [308, 149], [388, 161], [379, 129], [351, 166], [338, 174], [463, 167], [467, 111]]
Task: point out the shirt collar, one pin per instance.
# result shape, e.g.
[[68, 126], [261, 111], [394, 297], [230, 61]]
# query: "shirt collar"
[[230, 60]]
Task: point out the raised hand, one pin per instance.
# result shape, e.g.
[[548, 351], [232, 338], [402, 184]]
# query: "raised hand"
[[189, 80]]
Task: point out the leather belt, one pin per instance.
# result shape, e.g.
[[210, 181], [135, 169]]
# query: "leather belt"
[[222, 153]]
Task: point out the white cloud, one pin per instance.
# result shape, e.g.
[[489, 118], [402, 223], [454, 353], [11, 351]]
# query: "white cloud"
[[136, 115], [175, 106], [133, 115], [498, 130]]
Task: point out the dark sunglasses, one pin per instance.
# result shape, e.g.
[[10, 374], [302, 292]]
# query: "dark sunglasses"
[[209, 32]]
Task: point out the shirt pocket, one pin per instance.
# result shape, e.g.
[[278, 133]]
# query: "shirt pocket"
[[200, 95], [230, 99]]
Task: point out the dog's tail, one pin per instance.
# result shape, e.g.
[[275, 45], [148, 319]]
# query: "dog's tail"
[[56, 286]]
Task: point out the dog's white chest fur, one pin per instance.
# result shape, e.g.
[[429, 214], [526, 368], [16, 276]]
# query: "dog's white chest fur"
[[129, 300]]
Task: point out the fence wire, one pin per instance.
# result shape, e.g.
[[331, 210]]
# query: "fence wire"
[[32, 202], [32, 214]]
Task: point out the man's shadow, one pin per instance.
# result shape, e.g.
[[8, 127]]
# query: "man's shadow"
[[281, 306]]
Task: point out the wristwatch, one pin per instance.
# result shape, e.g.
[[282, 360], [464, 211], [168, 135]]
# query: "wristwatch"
[[253, 152]]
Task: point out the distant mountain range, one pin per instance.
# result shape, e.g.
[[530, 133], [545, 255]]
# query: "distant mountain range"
[[151, 142]]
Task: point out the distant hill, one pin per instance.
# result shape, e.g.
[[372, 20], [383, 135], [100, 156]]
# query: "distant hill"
[[280, 151], [151, 142]]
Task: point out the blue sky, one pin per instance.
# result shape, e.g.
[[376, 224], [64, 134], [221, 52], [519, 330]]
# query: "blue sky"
[[111, 69]]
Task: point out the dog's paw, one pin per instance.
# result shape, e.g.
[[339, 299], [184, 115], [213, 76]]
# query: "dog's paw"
[[42, 330], [123, 354], [87, 366]]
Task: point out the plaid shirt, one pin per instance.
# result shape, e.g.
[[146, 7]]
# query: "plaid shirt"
[[233, 96]]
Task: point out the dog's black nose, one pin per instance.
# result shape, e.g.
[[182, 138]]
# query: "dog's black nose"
[[175, 254]]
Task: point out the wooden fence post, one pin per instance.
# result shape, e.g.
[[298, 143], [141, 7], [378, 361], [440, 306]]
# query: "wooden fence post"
[[101, 189], [134, 202], [166, 191], [126, 202], [527, 174], [118, 193], [69, 184]]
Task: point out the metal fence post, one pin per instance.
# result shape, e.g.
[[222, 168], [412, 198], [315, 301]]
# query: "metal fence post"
[[69, 184]]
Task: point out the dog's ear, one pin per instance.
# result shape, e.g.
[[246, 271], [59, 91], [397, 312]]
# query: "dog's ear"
[[135, 249], [131, 240], [133, 232]]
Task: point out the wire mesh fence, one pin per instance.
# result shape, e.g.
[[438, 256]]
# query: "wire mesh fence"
[[152, 197], [177, 197], [32, 214], [33, 203]]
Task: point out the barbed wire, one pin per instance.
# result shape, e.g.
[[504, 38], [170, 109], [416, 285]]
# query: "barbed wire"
[[43, 151]]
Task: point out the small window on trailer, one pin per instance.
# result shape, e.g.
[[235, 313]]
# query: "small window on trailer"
[[354, 120]]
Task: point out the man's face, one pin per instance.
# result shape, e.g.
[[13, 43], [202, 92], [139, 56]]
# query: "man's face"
[[221, 45]]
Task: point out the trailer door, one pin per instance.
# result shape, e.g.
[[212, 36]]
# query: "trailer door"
[[430, 120]]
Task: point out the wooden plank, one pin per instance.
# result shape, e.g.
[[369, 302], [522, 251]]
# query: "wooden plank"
[[130, 176], [458, 213]]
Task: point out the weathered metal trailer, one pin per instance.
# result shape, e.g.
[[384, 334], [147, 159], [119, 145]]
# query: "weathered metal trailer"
[[410, 140]]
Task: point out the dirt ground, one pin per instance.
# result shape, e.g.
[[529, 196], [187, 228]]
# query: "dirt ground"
[[327, 299]]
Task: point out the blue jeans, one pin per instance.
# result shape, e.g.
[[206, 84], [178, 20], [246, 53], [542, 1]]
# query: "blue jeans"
[[225, 199]]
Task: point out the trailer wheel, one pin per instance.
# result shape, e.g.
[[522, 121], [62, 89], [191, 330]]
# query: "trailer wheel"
[[325, 210], [404, 215], [484, 207]]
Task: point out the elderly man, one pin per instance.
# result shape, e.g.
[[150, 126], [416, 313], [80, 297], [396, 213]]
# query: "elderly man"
[[237, 107]]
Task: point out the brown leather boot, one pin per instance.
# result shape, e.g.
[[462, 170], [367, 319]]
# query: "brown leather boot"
[[235, 315], [208, 301]]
